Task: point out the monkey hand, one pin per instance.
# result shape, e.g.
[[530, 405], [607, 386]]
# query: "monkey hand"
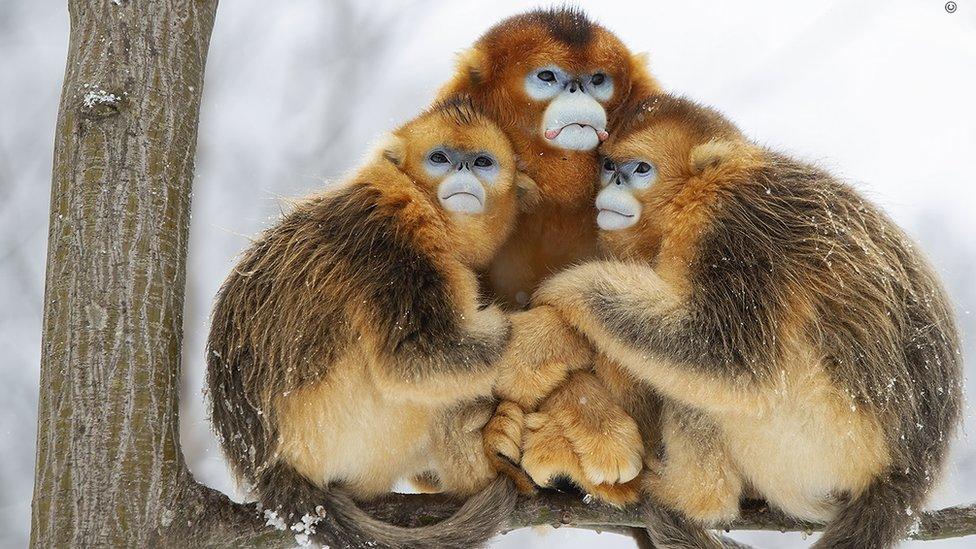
[[543, 350], [605, 439], [503, 433], [503, 444], [549, 456]]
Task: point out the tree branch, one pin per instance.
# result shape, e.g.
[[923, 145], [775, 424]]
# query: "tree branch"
[[110, 471], [243, 524]]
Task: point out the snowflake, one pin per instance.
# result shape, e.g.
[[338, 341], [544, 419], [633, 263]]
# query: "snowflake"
[[274, 520]]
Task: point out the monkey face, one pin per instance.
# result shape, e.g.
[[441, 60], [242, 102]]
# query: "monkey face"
[[664, 157], [465, 177], [553, 75], [461, 159], [641, 169], [465, 166], [574, 117], [617, 204]]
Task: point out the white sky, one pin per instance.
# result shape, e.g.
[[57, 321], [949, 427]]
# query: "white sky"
[[882, 92]]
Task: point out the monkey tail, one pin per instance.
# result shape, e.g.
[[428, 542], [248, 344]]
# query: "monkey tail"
[[878, 518], [669, 530], [336, 520]]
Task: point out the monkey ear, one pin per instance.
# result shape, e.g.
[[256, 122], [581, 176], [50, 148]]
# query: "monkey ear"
[[394, 149], [640, 74], [526, 192], [728, 155], [473, 65], [639, 62], [709, 155]]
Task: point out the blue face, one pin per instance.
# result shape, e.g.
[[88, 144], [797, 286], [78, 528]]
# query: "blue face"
[[636, 174], [465, 176], [574, 117], [549, 81], [617, 204]]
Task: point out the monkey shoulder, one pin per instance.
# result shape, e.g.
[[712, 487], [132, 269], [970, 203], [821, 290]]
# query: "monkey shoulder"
[[402, 277], [343, 261]]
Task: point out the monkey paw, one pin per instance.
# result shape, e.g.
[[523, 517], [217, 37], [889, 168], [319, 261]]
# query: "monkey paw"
[[606, 440], [503, 433], [547, 454], [613, 457]]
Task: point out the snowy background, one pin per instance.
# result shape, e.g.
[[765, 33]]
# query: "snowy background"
[[881, 92]]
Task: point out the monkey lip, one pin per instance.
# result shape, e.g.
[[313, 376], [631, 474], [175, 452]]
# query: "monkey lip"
[[452, 195], [602, 135], [618, 212]]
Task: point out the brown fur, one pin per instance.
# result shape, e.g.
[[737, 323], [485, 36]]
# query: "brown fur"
[[349, 347], [581, 434], [803, 347], [560, 229]]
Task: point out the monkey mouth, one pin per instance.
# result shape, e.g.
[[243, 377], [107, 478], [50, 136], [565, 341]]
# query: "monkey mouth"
[[602, 135], [459, 193], [463, 202], [618, 212], [614, 220]]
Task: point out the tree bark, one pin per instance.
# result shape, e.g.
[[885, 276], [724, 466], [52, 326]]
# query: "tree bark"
[[109, 468]]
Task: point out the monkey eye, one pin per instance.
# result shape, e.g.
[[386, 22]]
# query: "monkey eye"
[[438, 157], [598, 79], [608, 165], [483, 162], [643, 167], [547, 76]]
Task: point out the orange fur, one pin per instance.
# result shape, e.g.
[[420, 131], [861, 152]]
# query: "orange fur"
[[560, 230], [802, 348]]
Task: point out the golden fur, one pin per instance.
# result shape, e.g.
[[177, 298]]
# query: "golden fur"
[[559, 230], [802, 348], [350, 346]]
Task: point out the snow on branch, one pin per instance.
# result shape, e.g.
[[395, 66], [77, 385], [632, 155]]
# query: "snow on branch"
[[561, 510]]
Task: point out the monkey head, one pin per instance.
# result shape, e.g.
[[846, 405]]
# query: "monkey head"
[[551, 74], [464, 165], [665, 152]]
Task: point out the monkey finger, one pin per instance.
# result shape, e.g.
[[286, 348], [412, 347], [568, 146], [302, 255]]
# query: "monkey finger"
[[536, 420], [619, 495], [503, 433]]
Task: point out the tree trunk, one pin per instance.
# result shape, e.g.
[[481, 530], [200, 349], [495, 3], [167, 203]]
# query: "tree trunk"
[[109, 469]]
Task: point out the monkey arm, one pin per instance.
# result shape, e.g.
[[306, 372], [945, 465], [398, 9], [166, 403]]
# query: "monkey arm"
[[542, 352], [434, 342], [445, 359], [634, 316]]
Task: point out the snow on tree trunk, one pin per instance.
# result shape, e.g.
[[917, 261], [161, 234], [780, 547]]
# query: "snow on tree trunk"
[[108, 461], [109, 469]]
